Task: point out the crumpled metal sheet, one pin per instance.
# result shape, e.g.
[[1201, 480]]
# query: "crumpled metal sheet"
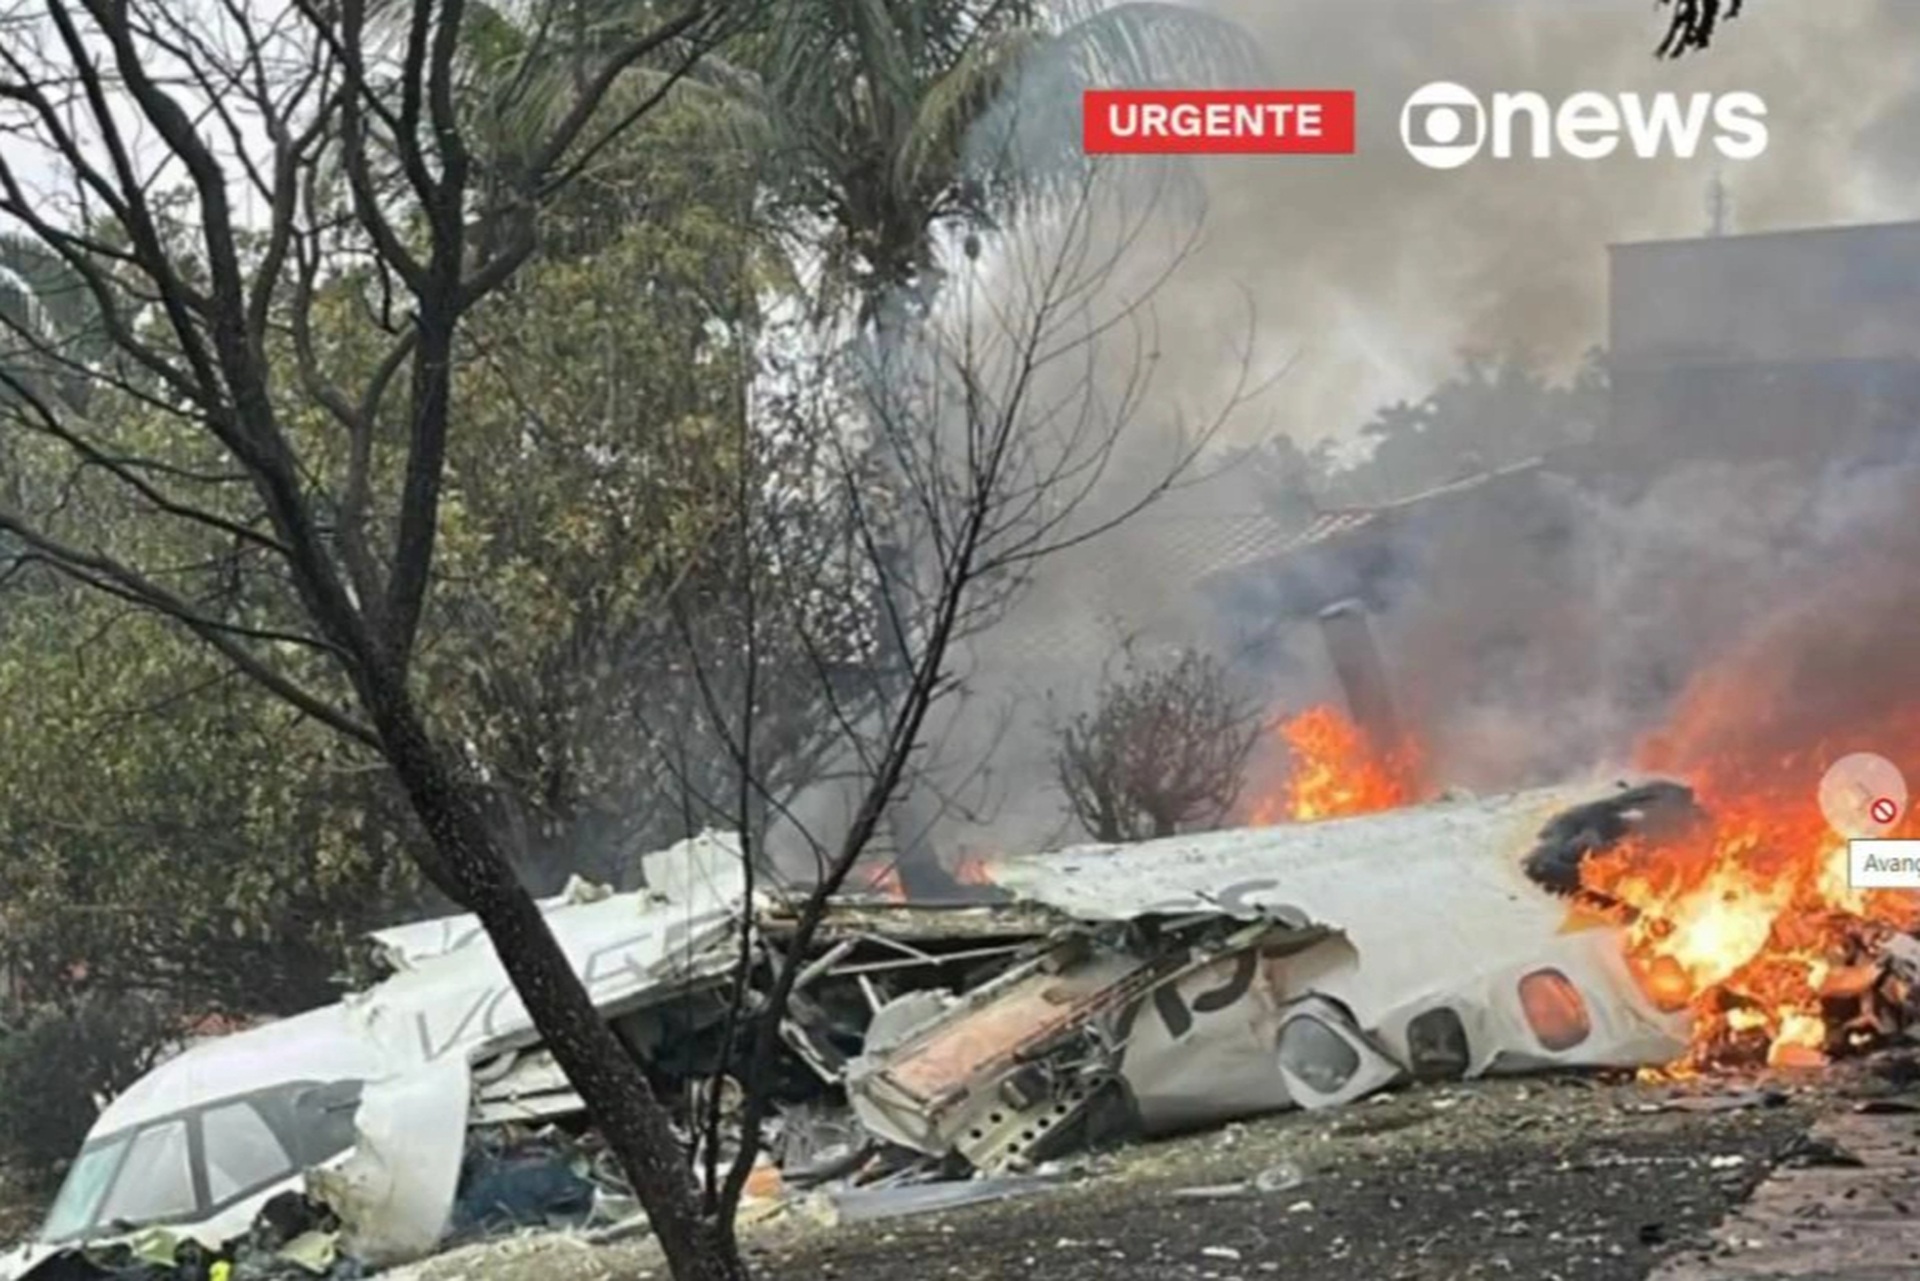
[[628, 949], [319, 1045], [1434, 905], [404, 947], [460, 1003], [1438, 866], [522, 1086], [449, 1010], [1183, 981], [395, 1193]]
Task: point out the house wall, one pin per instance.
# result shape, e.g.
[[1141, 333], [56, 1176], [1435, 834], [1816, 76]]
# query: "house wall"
[[1800, 345]]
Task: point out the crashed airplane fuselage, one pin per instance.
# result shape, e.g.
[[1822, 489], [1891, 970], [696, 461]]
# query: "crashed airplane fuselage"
[[357, 1090], [1152, 986], [1235, 972]]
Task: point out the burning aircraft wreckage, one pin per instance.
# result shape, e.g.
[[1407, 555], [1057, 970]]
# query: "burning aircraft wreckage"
[[1097, 993]]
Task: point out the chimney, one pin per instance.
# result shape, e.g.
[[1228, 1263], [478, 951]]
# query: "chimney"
[[1363, 677]]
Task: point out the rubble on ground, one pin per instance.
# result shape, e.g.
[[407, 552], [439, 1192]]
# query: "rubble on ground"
[[933, 1055]]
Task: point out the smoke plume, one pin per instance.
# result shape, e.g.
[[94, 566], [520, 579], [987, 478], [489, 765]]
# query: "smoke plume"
[[1522, 659]]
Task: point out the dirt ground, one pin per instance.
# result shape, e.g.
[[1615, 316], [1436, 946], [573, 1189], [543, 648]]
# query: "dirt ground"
[[1542, 1179], [1548, 1181]]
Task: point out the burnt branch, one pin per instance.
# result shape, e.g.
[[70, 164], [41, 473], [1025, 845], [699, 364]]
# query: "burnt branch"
[[1163, 751]]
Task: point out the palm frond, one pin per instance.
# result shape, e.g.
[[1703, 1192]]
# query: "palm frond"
[[1145, 44], [886, 59], [522, 64], [955, 103], [891, 119], [1025, 147], [813, 87]]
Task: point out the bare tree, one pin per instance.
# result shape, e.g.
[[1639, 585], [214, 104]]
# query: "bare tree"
[[227, 179], [996, 432], [1163, 750]]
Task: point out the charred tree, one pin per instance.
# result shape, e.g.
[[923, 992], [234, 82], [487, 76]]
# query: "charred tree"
[[1163, 751]]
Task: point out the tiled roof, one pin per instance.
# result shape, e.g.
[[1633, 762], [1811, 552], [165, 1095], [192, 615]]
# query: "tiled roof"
[[1143, 579], [1338, 522]]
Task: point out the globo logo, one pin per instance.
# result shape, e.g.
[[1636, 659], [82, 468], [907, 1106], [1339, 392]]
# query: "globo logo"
[[1445, 125]]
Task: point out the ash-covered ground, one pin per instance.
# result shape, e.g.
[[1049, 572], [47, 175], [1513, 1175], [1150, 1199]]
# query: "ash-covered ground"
[[1545, 1179], [1550, 1179]]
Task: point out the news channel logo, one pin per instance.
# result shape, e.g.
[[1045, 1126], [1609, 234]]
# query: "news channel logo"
[[1443, 125]]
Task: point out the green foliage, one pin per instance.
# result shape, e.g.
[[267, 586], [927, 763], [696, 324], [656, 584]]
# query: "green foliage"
[[620, 556], [1492, 413], [603, 512], [54, 1063], [168, 829], [891, 123], [176, 830]]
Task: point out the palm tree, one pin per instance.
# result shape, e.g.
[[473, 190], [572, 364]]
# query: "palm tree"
[[877, 124], [879, 129], [891, 127], [891, 121]]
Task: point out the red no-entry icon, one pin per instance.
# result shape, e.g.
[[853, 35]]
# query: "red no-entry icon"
[[1884, 809]]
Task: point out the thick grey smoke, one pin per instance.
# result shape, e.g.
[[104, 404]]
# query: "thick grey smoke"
[[1378, 272], [1525, 652]]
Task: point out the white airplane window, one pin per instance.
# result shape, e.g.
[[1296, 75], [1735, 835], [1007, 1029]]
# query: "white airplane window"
[[242, 1152], [80, 1192], [1318, 1055], [155, 1181]]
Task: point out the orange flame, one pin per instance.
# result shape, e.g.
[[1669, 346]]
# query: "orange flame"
[[880, 880], [1747, 918], [1336, 771], [973, 868]]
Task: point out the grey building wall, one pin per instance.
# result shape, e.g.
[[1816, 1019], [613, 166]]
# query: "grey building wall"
[[1801, 344]]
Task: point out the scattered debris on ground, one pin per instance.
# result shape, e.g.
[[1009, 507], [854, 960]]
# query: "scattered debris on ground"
[[1839, 1202], [1570, 1178], [935, 1056]]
